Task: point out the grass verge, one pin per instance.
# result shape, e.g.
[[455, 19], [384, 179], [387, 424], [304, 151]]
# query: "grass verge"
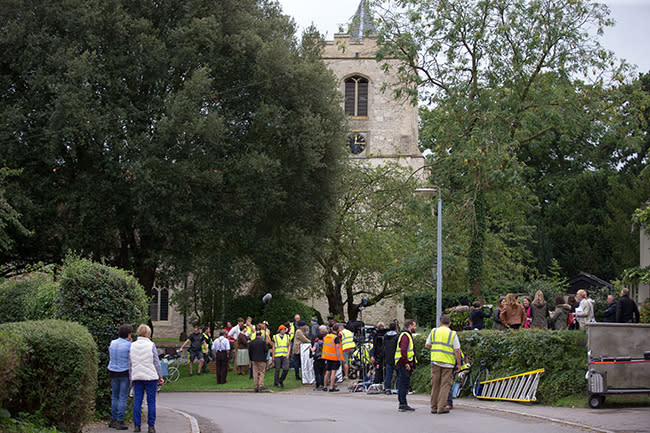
[[208, 382]]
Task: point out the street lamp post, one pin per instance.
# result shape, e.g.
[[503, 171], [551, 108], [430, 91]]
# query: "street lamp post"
[[429, 192]]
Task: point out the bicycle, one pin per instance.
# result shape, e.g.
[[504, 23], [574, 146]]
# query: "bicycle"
[[482, 374], [172, 371]]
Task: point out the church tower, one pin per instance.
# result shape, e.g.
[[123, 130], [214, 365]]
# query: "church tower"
[[382, 128]]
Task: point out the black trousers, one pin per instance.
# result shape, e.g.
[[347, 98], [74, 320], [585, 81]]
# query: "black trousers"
[[319, 372], [222, 366]]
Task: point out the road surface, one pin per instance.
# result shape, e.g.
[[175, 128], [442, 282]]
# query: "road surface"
[[317, 412]]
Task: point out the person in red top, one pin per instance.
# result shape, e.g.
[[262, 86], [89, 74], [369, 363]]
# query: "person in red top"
[[405, 363]]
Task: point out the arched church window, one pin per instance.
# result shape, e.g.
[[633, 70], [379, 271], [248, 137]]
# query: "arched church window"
[[159, 307], [356, 96]]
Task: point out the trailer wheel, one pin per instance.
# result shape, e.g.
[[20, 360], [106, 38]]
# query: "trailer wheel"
[[595, 401]]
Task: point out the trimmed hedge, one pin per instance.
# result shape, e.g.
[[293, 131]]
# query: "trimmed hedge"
[[562, 354], [101, 298], [32, 298], [57, 373], [12, 349]]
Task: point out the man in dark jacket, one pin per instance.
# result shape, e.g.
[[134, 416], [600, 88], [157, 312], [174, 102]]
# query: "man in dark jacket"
[[257, 352], [610, 313], [405, 363], [626, 309], [390, 343]]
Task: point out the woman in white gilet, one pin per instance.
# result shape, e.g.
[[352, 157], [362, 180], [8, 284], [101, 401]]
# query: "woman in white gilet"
[[144, 369]]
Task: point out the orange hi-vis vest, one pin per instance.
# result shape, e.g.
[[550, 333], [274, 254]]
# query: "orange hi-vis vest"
[[331, 350]]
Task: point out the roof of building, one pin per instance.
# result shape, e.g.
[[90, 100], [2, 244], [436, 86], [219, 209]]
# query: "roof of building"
[[362, 23], [586, 281]]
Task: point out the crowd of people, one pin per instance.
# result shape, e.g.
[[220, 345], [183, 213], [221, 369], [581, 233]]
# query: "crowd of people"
[[389, 353], [574, 312]]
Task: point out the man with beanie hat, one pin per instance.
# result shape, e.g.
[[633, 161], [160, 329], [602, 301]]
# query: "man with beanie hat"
[[280, 355]]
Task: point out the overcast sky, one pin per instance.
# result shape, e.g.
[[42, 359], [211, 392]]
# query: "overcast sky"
[[629, 38]]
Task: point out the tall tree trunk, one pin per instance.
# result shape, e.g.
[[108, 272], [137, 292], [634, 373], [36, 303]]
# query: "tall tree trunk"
[[477, 245], [334, 299]]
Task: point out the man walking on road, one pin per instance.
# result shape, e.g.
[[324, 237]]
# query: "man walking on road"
[[280, 355], [445, 356], [257, 350], [405, 363]]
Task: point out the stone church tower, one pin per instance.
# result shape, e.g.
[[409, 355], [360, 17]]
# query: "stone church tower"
[[382, 128]]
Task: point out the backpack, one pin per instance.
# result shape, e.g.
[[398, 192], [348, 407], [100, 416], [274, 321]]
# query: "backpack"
[[318, 344]]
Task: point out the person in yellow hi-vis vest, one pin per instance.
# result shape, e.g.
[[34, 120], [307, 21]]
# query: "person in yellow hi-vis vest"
[[347, 345], [405, 363], [280, 354], [445, 356]]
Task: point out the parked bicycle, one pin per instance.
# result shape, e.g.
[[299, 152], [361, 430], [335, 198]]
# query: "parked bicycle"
[[172, 374]]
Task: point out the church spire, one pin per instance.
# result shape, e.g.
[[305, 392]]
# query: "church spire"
[[362, 23]]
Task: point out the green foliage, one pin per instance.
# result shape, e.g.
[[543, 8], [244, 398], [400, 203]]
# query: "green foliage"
[[31, 296], [101, 298], [57, 375], [10, 224], [11, 425], [562, 354], [12, 351], [42, 302], [278, 311], [644, 310], [151, 134], [376, 247], [16, 294], [516, 141], [421, 305]]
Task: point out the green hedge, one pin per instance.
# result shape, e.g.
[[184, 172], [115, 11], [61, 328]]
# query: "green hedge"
[[562, 354], [101, 298], [32, 298], [276, 312], [12, 350], [56, 375]]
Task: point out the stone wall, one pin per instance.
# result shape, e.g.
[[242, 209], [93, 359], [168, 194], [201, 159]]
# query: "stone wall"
[[385, 311]]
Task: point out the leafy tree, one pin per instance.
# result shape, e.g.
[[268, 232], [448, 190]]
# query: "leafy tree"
[[151, 132], [9, 217], [372, 250], [485, 68]]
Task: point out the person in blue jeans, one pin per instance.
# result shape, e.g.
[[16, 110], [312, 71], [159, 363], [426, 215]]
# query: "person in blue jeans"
[[390, 343], [118, 368], [146, 375]]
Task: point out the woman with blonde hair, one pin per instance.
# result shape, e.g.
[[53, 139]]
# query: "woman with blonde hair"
[[512, 315], [145, 372], [539, 314]]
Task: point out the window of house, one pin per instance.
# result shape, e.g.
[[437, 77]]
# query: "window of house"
[[356, 96], [159, 307]]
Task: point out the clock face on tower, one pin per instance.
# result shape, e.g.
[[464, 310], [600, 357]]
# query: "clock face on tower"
[[357, 142]]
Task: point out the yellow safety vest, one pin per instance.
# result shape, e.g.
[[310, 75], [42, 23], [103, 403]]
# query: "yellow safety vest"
[[347, 340], [292, 331], [250, 331], [410, 354], [205, 347], [281, 344], [442, 349]]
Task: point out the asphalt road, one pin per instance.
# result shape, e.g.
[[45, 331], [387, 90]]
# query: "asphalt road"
[[343, 412]]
